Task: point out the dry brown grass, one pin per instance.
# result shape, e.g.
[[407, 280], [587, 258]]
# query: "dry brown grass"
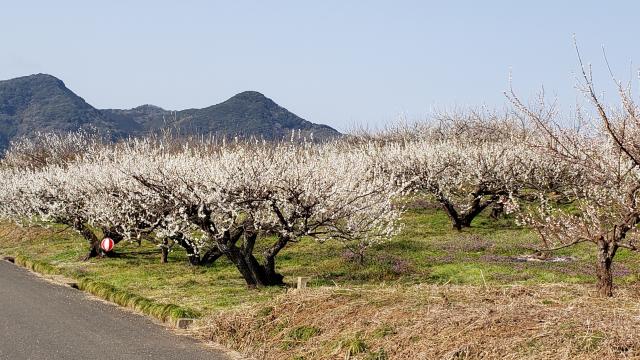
[[13, 235], [437, 322]]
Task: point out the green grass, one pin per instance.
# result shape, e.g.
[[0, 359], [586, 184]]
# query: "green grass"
[[353, 346], [427, 250], [160, 311]]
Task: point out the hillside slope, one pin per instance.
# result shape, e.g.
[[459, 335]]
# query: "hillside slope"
[[249, 113], [42, 103]]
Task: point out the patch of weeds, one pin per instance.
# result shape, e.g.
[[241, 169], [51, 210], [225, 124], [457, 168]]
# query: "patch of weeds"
[[462, 353], [64, 255], [280, 326], [377, 355], [299, 335], [591, 342], [457, 273], [532, 346], [384, 331], [354, 345], [265, 311], [303, 333]]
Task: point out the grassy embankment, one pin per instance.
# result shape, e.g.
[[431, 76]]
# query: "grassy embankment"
[[409, 298]]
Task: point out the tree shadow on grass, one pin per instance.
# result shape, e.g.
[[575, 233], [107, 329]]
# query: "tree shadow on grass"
[[129, 254]]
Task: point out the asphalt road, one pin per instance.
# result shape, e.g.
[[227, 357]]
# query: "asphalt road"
[[40, 320]]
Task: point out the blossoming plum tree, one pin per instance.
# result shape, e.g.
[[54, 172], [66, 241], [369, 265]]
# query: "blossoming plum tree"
[[604, 152]]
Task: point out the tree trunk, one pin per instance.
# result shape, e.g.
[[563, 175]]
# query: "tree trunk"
[[605, 278], [94, 251], [606, 252], [477, 207], [271, 276], [257, 270], [254, 274], [242, 257], [238, 259], [453, 214], [94, 242], [497, 210], [460, 220], [194, 258], [164, 258], [210, 256]]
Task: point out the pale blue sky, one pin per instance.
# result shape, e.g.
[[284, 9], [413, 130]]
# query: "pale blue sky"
[[334, 62]]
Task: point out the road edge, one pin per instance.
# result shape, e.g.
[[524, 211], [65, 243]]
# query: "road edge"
[[169, 314], [101, 291]]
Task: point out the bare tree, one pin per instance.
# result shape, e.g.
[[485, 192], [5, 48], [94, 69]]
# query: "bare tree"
[[604, 151]]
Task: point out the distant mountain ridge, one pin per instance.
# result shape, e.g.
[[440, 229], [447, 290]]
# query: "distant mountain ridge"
[[41, 102]]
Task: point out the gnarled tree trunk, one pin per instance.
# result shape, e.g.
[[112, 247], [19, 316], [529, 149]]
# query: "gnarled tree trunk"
[[252, 271], [270, 261], [94, 241], [192, 254], [606, 252], [164, 257], [210, 256], [241, 256], [460, 220], [497, 210]]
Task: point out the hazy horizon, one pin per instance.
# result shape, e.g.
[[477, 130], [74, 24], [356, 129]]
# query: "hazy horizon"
[[335, 63]]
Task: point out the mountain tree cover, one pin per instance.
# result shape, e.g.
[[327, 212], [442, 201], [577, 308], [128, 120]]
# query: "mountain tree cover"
[[42, 103]]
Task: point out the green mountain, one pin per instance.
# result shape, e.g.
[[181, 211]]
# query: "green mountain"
[[42, 103]]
